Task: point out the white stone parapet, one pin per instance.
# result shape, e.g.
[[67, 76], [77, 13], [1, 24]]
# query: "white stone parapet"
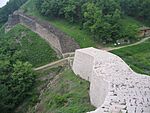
[[114, 86]]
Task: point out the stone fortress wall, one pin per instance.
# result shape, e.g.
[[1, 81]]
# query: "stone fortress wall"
[[114, 86], [58, 40]]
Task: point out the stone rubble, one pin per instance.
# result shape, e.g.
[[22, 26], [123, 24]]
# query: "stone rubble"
[[114, 86]]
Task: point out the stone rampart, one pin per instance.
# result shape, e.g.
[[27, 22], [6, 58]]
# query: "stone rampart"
[[114, 86], [58, 40]]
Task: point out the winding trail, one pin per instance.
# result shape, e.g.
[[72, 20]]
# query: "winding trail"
[[57, 63], [70, 56], [114, 48]]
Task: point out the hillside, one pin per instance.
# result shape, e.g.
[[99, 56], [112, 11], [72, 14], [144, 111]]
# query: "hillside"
[[69, 88], [33, 48], [32, 77], [67, 93], [76, 31], [137, 57]]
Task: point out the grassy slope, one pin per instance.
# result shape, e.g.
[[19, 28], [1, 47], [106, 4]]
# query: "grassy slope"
[[43, 78], [35, 49], [68, 94], [138, 57], [127, 21], [82, 37]]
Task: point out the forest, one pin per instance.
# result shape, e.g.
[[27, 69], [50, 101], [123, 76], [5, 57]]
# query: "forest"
[[14, 82]]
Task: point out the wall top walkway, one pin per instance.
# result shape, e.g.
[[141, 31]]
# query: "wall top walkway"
[[114, 86]]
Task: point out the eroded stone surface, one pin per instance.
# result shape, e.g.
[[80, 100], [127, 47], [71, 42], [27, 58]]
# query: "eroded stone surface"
[[114, 86]]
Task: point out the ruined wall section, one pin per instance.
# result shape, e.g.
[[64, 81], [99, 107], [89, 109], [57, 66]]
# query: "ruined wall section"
[[12, 21], [28, 22], [58, 40], [49, 37]]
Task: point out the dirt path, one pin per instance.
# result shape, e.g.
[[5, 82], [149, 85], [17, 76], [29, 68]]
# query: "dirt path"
[[70, 56], [114, 48], [57, 63]]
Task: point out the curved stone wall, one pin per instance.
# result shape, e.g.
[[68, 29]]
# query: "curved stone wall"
[[114, 86], [58, 40]]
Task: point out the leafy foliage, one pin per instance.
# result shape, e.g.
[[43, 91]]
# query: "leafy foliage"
[[102, 18], [16, 75], [138, 8], [9, 8]]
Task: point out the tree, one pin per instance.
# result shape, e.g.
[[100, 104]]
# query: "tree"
[[5, 105], [16, 86], [136, 8], [92, 15], [51, 7], [9, 8], [16, 77], [108, 7], [23, 78], [104, 27]]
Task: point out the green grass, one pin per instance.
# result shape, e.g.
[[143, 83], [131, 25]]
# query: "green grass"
[[137, 57], [33, 48], [83, 38], [127, 21], [67, 94]]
